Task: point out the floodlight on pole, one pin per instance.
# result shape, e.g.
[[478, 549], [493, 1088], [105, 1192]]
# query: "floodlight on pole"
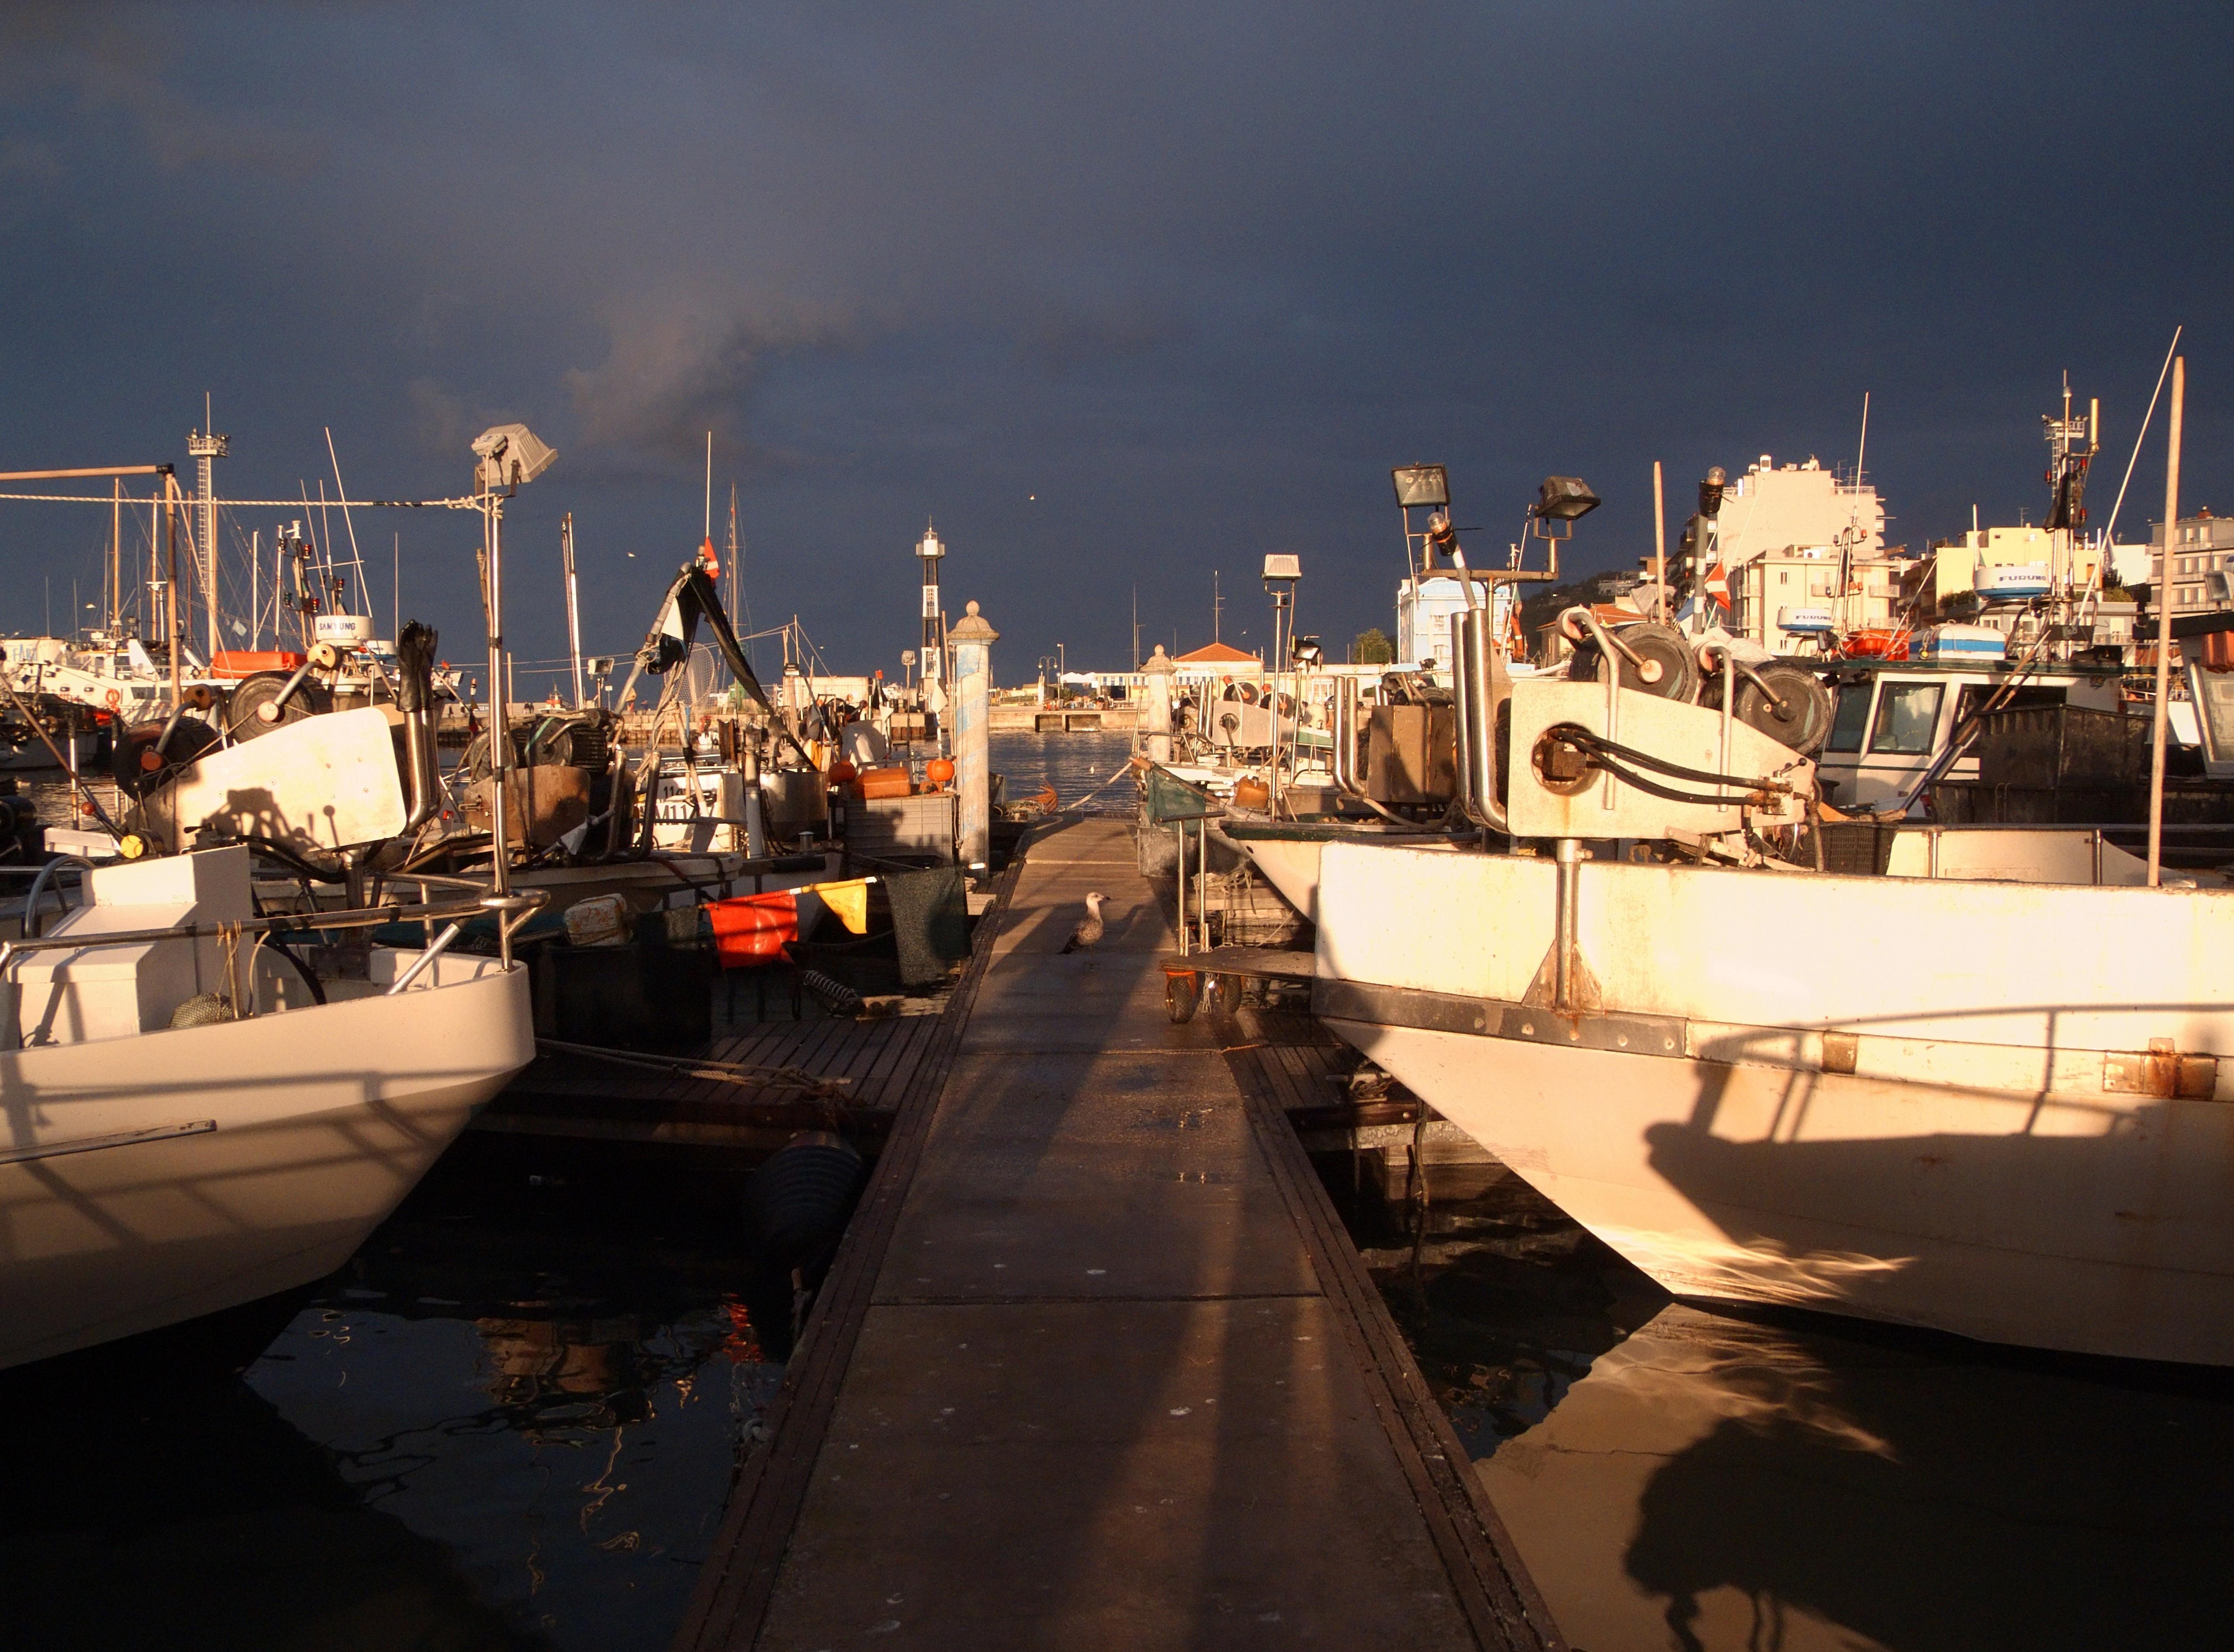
[[1428, 486], [508, 457]]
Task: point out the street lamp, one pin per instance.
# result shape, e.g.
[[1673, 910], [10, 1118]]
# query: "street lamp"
[[509, 457]]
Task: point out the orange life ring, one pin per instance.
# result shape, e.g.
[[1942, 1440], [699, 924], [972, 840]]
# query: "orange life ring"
[[115, 699]]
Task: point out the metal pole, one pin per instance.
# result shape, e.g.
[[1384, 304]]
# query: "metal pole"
[[171, 568], [1178, 846], [115, 561], [573, 603], [1567, 855], [1202, 889], [2164, 631], [500, 732], [1660, 547]]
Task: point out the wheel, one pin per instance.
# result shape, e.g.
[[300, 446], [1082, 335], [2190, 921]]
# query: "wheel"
[[1180, 994]]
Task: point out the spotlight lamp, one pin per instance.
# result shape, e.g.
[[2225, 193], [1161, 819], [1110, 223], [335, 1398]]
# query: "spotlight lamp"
[[1562, 499], [1559, 501], [511, 456], [1427, 486]]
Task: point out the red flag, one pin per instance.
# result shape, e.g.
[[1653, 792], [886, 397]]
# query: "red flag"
[[753, 930]]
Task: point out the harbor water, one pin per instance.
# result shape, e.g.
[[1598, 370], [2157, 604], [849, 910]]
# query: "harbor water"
[[509, 1422], [1682, 1477], [1074, 764]]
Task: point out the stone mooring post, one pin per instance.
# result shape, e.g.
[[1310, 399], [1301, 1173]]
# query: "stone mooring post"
[[973, 641], [1156, 706]]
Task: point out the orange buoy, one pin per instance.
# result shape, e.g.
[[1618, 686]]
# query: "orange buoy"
[[939, 771], [840, 772]]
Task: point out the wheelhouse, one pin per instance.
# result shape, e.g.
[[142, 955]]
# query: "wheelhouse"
[[1894, 719]]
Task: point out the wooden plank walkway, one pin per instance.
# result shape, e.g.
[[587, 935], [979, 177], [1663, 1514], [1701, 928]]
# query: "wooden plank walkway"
[[872, 1062], [1096, 1365]]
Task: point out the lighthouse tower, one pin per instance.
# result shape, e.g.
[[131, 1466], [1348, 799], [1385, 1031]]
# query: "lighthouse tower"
[[929, 550], [204, 447]]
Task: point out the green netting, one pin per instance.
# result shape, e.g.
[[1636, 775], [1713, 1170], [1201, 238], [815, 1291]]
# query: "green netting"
[[1172, 799]]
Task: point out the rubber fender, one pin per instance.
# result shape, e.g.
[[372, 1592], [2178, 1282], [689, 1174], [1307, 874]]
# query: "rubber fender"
[[797, 1202]]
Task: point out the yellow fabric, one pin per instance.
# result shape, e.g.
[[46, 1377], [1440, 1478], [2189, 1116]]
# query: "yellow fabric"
[[849, 900]]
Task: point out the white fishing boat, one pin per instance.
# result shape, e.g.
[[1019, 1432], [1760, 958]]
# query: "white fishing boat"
[[1990, 1097], [206, 1106], [154, 1169]]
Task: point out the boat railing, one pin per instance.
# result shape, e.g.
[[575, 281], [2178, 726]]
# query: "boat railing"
[[39, 875], [1479, 687], [510, 910]]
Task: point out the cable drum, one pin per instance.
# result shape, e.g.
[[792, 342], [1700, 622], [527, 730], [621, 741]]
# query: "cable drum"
[[1802, 721], [1663, 645], [138, 768], [245, 708]]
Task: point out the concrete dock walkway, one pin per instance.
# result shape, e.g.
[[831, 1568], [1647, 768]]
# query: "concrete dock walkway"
[[1091, 1370]]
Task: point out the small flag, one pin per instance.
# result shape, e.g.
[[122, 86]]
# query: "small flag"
[[849, 900]]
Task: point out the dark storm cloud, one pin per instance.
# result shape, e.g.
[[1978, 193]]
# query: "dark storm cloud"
[[1193, 277]]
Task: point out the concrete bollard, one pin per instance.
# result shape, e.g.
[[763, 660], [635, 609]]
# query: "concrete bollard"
[[1156, 709], [973, 641]]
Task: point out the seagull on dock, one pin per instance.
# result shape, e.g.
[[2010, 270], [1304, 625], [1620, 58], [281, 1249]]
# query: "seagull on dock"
[[1089, 927]]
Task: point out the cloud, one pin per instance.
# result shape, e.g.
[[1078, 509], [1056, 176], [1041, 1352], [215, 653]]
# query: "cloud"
[[442, 427], [674, 371]]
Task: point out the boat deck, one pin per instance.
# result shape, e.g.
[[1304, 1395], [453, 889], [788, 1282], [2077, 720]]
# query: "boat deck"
[[1096, 1365]]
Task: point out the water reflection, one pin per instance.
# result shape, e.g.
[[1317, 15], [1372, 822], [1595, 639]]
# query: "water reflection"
[[207, 1519], [1684, 1479], [510, 1422]]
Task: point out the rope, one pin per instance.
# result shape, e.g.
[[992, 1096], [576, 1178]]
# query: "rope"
[[466, 504]]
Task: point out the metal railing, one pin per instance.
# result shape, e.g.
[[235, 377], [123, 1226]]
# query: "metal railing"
[[510, 910]]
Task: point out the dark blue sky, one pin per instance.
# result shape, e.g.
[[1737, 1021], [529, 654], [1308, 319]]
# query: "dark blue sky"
[[1193, 277]]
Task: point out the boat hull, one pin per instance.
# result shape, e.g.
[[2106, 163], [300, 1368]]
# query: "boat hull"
[[1911, 1203], [154, 1179], [1993, 1109]]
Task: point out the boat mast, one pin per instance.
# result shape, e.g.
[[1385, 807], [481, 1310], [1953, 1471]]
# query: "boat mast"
[[573, 603], [115, 560]]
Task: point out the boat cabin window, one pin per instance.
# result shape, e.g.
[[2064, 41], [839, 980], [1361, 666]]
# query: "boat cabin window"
[[1908, 712], [1852, 717]]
